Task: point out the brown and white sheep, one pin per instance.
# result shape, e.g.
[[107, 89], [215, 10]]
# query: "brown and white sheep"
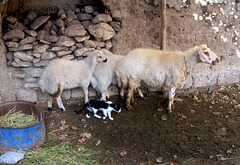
[[158, 68], [63, 74]]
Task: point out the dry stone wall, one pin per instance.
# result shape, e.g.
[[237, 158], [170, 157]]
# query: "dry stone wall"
[[33, 43], [35, 40]]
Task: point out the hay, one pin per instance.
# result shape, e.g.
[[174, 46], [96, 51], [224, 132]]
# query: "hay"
[[18, 119]]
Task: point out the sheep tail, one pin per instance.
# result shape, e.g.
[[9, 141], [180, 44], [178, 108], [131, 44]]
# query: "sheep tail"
[[85, 106]]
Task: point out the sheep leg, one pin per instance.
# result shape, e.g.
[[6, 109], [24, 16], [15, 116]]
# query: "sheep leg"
[[105, 95], [60, 104], [171, 94], [85, 91], [121, 93], [129, 97], [50, 103]]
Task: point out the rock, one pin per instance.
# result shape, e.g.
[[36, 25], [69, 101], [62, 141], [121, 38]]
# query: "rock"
[[69, 57], [51, 38], [61, 31], [48, 25], [108, 44], [89, 9], [89, 44], [31, 33], [84, 16], [75, 31], [31, 15], [25, 22], [41, 35], [100, 43], [115, 25], [23, 56], [86, 24], [81, 39], [31, 85], [56, 49], [62, 53], [39, 21], [71, 15], [65, 41], [39, 49], [74, 22], [48, 55], [19, 26], [12, 44], [102, 18], [41, 63], [9, 56], [21, 64], [36, 60], [33, 72], [60, 12], [79, 45], [27, 95], [27, 40], [102, 31], [60, 23], [25, 47], [11, 19], [11, 157], [81, 51], [14, 34], [37, 55]]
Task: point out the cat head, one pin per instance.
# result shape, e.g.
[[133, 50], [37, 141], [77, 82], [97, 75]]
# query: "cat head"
[[116, 107]]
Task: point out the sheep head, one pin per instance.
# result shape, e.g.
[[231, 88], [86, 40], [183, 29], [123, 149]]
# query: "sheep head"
[[96, 56], [208, 56]]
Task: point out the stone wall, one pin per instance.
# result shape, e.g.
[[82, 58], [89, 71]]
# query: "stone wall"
[[135, 23], [33, 41]]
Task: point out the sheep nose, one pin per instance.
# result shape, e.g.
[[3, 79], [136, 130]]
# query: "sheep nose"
[[105, 60], [216, 61]]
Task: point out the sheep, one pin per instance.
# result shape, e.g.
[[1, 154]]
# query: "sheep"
[[63, 74], [158, 68], [104, 74]]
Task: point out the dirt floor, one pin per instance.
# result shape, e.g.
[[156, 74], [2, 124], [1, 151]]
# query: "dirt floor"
[[204, 129]]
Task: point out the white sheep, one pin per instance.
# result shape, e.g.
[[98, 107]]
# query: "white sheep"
[[104, 74], [158, 68], [63, 74]]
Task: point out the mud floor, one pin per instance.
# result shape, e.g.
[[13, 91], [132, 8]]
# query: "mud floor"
[[204, 129]]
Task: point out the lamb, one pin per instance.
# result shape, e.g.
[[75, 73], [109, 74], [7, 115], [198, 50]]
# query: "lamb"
[[104, 74], [63, 74], [158, 68]]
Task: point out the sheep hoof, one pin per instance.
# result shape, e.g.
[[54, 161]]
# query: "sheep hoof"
[[170, 111], [50, 109], [128, 107], [63, 109], [122, 97]]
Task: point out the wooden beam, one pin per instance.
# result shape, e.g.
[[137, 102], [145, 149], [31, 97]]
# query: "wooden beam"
[[163, 6]]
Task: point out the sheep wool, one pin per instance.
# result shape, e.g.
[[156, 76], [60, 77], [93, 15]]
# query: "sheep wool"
[[158, 68], [63, 74]]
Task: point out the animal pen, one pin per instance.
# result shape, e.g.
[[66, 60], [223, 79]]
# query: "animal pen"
[[203, 127]]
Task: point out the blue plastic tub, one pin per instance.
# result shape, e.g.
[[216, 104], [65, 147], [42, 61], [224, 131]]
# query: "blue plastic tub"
[[22, 138]]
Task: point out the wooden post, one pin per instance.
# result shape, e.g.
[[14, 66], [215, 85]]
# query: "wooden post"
[[163, 6]]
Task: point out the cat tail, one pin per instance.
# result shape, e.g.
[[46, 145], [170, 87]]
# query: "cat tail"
[[85, 106]]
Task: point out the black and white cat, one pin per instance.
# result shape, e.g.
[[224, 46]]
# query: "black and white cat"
[[96, 105]]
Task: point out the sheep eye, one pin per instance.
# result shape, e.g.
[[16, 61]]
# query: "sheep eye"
[[206, 53]]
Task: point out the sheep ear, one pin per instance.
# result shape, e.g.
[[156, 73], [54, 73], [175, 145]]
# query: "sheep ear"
[[93, 62], [203, 57]]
